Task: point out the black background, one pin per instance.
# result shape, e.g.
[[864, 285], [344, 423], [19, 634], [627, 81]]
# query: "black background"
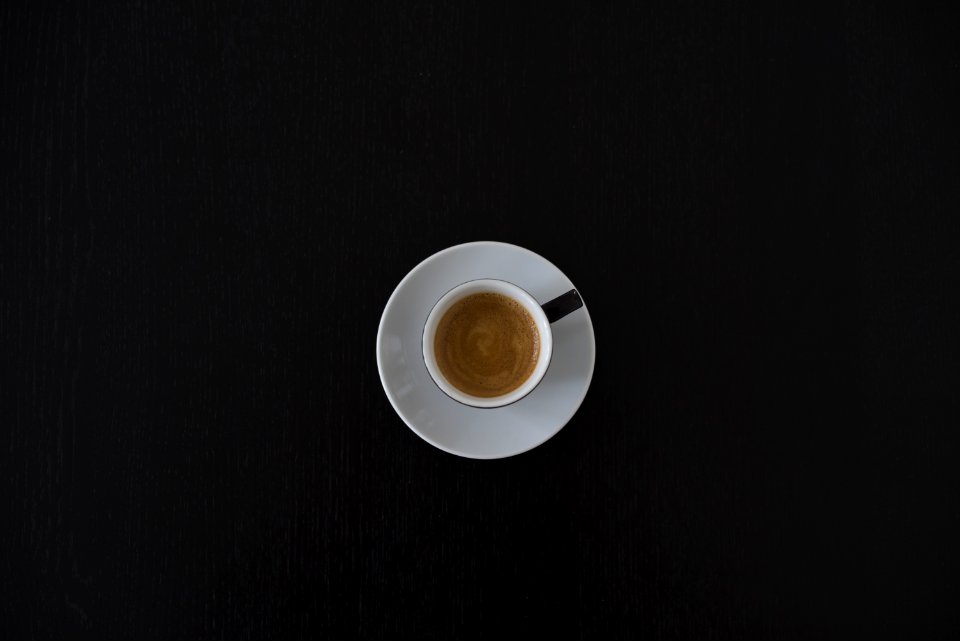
[[205, 207]]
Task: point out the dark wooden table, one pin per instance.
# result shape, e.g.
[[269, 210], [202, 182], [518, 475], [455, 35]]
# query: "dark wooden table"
[[205, 207]]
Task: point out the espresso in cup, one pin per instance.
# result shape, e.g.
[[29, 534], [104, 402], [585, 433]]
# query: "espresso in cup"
[[487, 345]]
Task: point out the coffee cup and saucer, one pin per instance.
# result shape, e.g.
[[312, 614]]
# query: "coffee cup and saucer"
[[485, 350]]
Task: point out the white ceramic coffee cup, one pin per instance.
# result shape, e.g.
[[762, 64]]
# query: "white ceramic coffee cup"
[[542, 317]]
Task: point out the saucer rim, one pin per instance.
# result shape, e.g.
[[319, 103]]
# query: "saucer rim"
[[390, 396]]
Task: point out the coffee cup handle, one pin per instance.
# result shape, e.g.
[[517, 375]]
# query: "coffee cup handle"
[[562, 305]]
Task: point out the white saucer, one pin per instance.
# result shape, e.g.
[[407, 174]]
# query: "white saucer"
[[469, 431]]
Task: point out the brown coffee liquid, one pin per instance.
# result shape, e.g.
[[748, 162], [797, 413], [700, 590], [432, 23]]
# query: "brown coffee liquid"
[[487, 345]]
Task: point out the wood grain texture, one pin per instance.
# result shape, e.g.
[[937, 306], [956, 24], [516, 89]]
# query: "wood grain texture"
[[205, 207]]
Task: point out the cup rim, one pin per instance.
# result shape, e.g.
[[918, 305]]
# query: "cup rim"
[[533, 308]]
